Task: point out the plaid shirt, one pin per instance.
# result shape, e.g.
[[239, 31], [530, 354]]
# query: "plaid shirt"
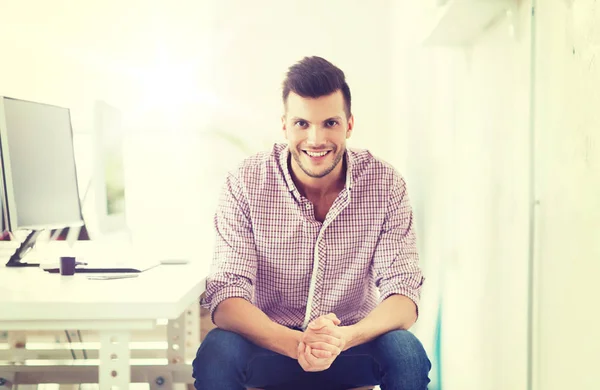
[[271, 251]]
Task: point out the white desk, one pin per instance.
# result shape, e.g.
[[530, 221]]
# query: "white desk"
[[31, 299]]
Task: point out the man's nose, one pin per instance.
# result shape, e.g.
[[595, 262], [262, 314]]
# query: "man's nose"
[[315, 135]]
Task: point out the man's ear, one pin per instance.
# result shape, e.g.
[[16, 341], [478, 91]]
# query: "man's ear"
[[350, 126], [283, 126]]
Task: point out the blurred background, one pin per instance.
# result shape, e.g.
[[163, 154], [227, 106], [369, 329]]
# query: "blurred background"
[[489, 108]]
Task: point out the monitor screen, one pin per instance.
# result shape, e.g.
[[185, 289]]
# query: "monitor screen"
[[40, 189], [2, 223], [109, 175]]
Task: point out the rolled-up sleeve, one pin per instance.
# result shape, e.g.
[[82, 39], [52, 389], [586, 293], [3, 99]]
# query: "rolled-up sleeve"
[[396, 260], [233, 272]]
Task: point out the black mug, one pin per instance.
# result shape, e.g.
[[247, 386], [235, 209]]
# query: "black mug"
[[67, 265]]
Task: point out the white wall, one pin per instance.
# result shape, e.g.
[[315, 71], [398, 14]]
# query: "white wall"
[[467, 160], [568, 216], [181, 70]]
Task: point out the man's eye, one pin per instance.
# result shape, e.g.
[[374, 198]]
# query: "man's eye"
[[332, 123], [301, 123]]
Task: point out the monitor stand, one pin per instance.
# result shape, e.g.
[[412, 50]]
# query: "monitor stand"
[[16, 260]]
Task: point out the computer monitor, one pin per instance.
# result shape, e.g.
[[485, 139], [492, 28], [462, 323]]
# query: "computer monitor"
[[39, 179], [109, 172], [3, 230]]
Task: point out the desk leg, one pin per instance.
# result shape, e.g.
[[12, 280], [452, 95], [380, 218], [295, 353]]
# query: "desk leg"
[[192, 331], [184, 335], [17, 342], [114, 370]]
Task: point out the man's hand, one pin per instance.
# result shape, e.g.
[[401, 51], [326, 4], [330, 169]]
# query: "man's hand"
[[324, 337], [321, 343], [309, 362]]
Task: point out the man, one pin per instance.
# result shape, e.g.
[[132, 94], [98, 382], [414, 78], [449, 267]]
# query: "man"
[[316, 276]]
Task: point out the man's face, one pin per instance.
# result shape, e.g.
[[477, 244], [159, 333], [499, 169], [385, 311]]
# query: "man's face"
[[316, 130]]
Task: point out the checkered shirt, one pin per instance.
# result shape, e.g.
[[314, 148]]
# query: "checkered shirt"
[[271, 251]]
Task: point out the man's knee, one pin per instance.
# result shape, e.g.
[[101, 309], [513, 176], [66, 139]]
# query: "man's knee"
[[221, 360], [401, 350], [220, 347]]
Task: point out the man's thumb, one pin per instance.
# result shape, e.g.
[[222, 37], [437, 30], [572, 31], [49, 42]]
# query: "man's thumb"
[[333, 318]]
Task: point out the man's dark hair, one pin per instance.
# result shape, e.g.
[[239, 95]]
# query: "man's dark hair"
[[313, 77]]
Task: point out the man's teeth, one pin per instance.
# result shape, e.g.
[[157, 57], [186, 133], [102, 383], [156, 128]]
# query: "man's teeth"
[[316, 154]]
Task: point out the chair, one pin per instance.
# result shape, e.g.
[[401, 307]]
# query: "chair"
[[356, 388]]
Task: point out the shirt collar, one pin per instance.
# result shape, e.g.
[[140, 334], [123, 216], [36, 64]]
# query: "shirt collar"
[[283, 163]]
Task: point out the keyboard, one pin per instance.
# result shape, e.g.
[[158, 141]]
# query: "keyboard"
[[136, 267], [88, 270]]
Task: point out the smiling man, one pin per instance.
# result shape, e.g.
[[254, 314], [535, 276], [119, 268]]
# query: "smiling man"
[[316, 279]]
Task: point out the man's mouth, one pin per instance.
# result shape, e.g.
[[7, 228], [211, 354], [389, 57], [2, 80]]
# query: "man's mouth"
[[316, 154]]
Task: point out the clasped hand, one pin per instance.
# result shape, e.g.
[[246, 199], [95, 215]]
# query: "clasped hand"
[[322, 342]]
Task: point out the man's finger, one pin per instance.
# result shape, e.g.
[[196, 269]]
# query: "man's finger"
[[309, 338], [317, 364], [324, 325], [334, 318], [321, 353], [331, 330], [319, 323], [302, 361], [324, 336], [312, 361], [335, 351], [325, 320]]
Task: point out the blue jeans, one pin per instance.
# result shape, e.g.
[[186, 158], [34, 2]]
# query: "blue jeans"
[[227, 361]]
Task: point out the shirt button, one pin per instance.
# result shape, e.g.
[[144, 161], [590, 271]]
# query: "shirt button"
[[308, 205]]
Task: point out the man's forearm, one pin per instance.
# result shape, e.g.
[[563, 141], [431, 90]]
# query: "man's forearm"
[[396, 312], [240, 316]]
